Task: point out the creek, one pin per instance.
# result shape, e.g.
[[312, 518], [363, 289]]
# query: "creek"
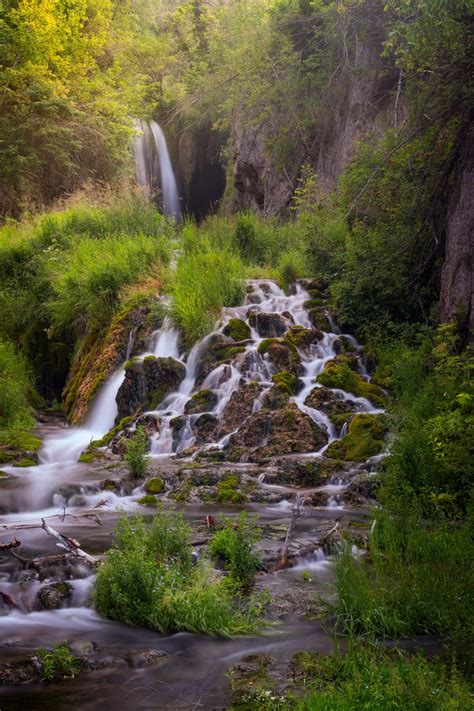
[[71, 497]]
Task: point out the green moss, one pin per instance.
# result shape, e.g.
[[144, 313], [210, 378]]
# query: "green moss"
[[228, 353], [109, 436], [364, 439], [155, 485], [228, 489], [202, 401], [148, 500], [301, 337], [3, 475], [283, 354], [182, 494], [285, 382], [26, 462], [237, 329], [88, 457], [264, 346], [339, 374]]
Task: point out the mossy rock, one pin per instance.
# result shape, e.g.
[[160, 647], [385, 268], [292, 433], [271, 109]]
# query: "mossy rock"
[[365, 438], [228, 353], [268, 325], [318, 316], [339, 374], [148, 500], [111, 434], [4, 475], [301, 337], [90, 456], [202, 401], [286, 382], [237, 329], [228, 491], [26, 462], [154, 485], [282, 354]]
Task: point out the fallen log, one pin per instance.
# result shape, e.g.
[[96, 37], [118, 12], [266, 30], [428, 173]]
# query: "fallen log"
[[283, 559], [9, 546], [70, 544]]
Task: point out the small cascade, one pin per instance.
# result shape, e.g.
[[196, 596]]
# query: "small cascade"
[[154, 168]]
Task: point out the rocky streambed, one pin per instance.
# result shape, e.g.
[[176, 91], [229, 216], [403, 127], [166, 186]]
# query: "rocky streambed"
[[273, 413]]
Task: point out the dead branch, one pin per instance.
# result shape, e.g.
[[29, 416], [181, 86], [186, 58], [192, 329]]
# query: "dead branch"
[[283, 559], [70, 544], [9, 546]]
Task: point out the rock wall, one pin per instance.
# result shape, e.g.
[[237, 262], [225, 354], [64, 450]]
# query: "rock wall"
[[457, 283]]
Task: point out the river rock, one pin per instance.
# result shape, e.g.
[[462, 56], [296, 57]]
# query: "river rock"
[[268, 325], [237, 329], [147, 383], [282, 354], [52, 596], [202, 401]]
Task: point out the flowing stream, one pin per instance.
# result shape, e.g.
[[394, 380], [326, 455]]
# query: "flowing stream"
[[195, 669]]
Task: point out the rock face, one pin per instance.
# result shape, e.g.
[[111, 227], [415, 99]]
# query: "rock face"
[[268, 325], [457, 281], [364, 103], [147, 383]]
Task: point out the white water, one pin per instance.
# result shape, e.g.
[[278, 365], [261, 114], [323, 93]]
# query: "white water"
[[152, 157]]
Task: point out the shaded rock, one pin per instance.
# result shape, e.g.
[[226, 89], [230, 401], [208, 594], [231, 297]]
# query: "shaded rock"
[[339, 373], [152, 657], [212, 355], [239, 407], [147, 383], [268, 325], [52, 596], [365, 485], [202, 401], [265, 434], [317, 315], [303, 338], [305, 473], [205, 427]]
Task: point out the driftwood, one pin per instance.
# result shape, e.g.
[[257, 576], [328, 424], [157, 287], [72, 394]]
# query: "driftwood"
[[282, 562], [70, 544], [9, 546]]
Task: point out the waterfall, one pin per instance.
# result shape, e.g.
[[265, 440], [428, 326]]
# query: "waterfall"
[[154, 168]]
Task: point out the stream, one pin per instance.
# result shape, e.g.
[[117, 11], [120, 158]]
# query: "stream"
[[71, 497]]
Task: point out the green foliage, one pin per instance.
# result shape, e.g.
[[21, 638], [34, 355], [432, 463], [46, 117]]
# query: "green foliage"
[[233, 546], [15, 410], [135, 453], [339, 374], [364, 439], [228, 491], [154, 485], [206, 279], [58, 663], [148, 500], [148, 579]]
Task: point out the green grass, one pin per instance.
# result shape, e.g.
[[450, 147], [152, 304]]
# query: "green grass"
[[58, 663], [148, 580], [233, 545], [136, 449], [418, 579]]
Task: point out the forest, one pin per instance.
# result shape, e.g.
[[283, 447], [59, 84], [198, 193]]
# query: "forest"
[[236, 354]]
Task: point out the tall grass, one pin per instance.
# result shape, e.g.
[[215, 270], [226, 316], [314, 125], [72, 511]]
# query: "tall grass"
[[148, 579], [15, 410], [206, 279]]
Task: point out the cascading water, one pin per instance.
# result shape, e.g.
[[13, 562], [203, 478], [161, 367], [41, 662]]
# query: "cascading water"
[[154, 168]]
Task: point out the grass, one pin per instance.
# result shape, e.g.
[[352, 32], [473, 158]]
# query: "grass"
[[58, 663], [233, 546], [148, 580], [418, 579], [365, 677], [136, 454]]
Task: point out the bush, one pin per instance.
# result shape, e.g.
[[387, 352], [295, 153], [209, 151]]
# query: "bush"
[[148, 579], [234, 547], [135, 453], [58, 663]]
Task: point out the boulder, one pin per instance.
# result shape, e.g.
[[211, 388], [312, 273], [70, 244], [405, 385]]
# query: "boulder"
[[237, 329], [51, 597], [365, 438], [147, 383], [268, 325], [202, 401], [303, 338], [339, 373], [283, 355]]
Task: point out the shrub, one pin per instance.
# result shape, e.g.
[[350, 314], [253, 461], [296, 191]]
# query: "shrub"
[[234, 547], [135, 453], [15, 412], [148, 579], [58, 663]]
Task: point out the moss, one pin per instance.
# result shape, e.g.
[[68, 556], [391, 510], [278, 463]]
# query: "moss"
[[109, 436], [182, 494], [26, 442], [228, 353], [286, 382], [341, 418], [283, 354], [148, 500], [26, 462], [3, 475], [202, 401], [264, 346], [228, 489], [301, 337], [364, 439], [317, 315], [88, 457], [237, 329], [339, 374], [155, 485]]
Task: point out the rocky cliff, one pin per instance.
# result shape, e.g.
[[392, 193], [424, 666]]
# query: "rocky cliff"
[[457, 283]]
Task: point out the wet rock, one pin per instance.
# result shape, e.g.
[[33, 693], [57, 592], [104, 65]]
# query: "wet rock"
[[318, 315], [147, 383], [305, 473], [287, 383], [265, 434], [239, 407], [283, 355], [339, 410], [150, 658], [202, 401], [210, 358], [317, 498], [365, 485], [111, 485], [205, 427], [21, 672], [343, 345], [51, 597], [303, 338], [237, 329], [155, 485], [268, 325]]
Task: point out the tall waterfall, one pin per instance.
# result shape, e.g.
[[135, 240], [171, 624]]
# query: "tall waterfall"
[[154, 168]]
